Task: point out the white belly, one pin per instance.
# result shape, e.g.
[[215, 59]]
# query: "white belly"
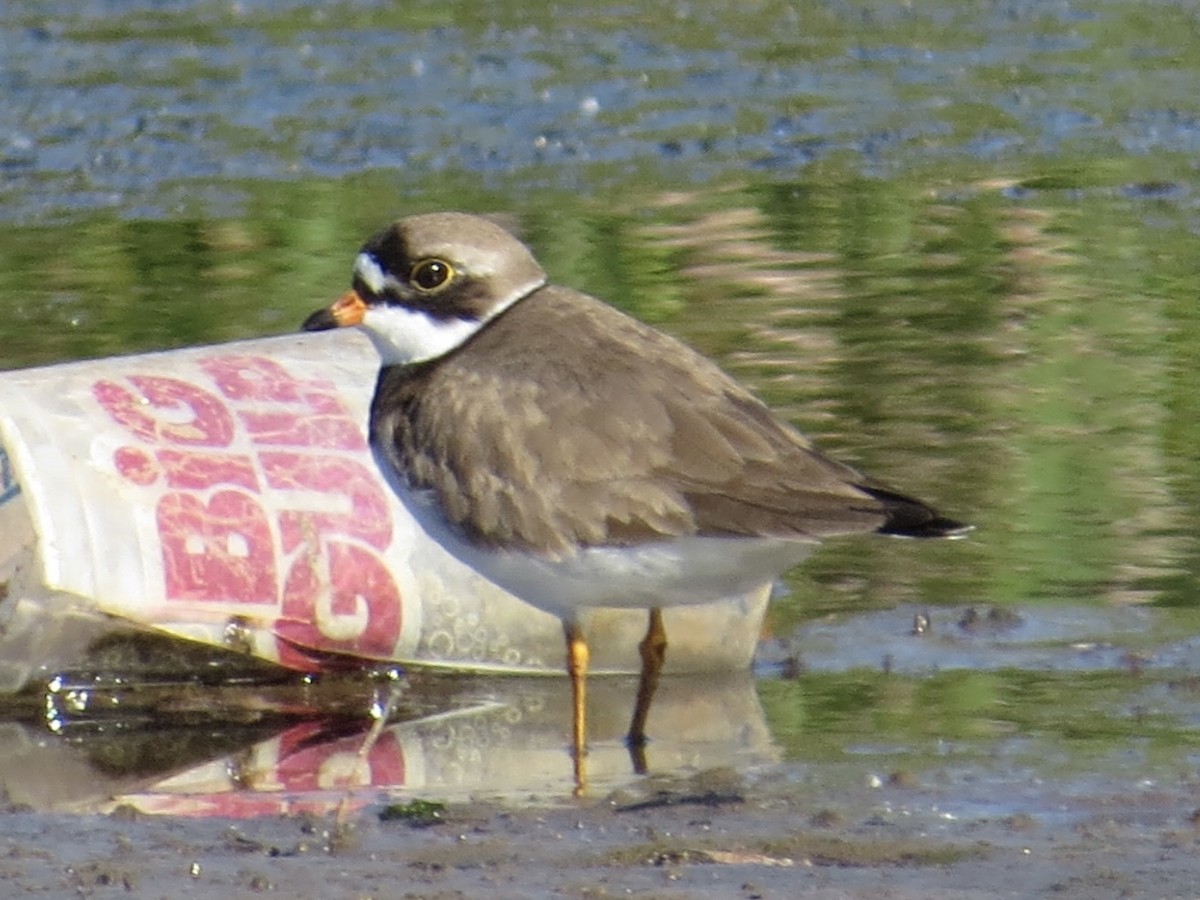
[[673, 572], [664, 573]]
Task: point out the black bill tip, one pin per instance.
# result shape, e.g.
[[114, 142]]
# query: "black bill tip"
[[321, 320]]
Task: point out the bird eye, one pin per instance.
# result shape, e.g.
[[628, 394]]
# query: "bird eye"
[[430, 274]]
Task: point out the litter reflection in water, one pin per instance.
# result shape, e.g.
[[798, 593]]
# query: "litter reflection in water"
[[257, 750]]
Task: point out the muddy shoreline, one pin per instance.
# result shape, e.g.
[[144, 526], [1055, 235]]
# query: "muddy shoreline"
[[713, 836]]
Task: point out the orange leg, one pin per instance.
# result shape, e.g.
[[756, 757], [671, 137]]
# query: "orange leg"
[[577, 666], [653, 649]]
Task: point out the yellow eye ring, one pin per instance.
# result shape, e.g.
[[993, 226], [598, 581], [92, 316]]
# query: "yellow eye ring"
[[428, 275]]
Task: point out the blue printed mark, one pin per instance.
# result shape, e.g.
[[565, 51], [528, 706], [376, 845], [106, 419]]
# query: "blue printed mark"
[[8, 480]]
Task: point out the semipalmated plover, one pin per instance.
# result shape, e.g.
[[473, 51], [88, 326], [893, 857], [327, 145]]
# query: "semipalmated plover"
[[577, 457]]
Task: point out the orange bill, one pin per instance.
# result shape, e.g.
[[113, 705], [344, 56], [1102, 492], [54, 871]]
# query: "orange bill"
[[347, 309]]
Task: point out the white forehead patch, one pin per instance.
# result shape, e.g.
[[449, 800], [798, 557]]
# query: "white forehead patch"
[[372, 274]]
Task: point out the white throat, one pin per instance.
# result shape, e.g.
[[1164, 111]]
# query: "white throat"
[[404, 336]]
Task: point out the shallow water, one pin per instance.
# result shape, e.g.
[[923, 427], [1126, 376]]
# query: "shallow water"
[[953, 242]]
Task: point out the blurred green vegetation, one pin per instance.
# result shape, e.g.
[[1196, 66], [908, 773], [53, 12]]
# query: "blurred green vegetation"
[[1023, 358], [1060, 724]]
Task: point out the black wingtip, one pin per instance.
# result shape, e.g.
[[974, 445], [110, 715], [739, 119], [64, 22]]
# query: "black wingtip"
[[907, 517], [937, 527]]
